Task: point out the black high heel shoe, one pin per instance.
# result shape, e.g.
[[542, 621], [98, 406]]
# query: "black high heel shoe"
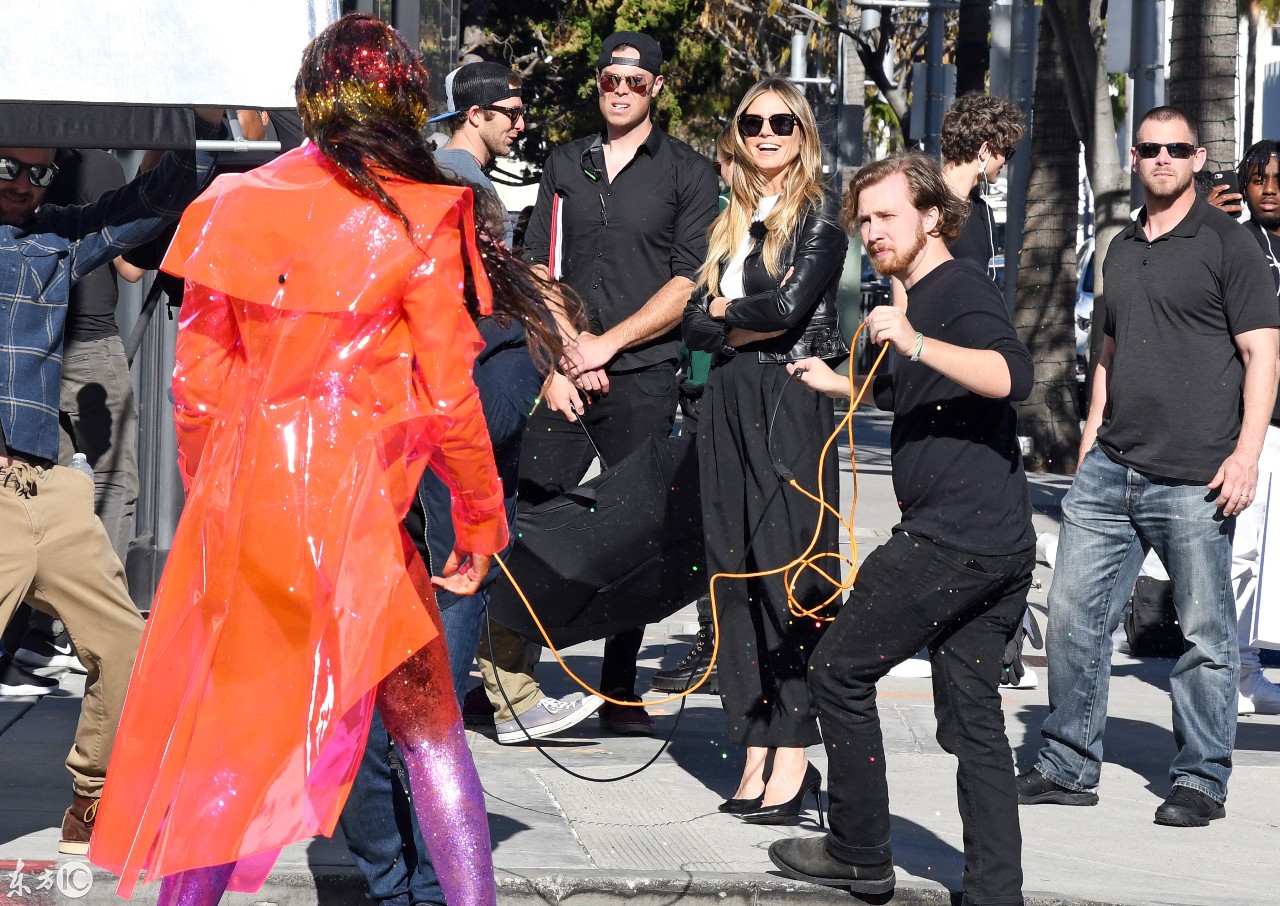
[[741, 806], [789, 812]]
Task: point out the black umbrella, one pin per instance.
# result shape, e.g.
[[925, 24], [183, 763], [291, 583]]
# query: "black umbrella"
[[623, 550]]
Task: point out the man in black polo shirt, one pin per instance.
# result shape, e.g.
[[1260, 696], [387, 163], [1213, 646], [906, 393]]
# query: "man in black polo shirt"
[[622, 218], [1182, 397]]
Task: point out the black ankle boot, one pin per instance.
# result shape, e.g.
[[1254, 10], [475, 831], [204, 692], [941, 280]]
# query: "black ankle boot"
[[690, 670]]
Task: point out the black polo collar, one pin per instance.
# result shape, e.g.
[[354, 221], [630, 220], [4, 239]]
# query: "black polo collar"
[[1186, 228]]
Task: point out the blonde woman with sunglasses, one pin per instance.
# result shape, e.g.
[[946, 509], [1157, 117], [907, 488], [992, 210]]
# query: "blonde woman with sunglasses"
[[767, 296]]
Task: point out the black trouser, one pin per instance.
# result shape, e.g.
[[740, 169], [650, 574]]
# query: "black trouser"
[[557, 454], [754, 522], [911, 593]]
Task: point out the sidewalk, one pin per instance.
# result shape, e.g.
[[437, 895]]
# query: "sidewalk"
[[657, 838]]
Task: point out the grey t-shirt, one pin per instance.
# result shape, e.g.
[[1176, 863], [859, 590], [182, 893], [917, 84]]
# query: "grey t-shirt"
[[463, 164]]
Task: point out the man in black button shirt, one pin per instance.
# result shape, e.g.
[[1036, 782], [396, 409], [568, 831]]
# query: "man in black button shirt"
[[978, 136], [954, 576], [1182, 397], [622, 218]]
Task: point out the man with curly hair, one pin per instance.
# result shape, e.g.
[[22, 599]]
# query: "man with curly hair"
[[979, 133]]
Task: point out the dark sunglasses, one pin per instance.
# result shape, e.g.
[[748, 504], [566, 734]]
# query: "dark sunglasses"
[[750, 124], [609, 82], [1008, 155], [40, 175], [516, 113], [1177, 150]]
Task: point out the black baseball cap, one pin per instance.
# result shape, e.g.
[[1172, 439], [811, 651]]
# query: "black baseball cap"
[[475, 85], [650, 54]]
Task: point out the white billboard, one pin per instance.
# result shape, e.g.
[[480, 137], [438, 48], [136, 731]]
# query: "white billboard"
[[225, 53]]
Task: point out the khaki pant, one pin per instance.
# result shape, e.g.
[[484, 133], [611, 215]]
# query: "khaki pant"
[[510, 665], [56, 556]]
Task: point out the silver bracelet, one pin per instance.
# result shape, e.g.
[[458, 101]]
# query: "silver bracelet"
[[915, 353]]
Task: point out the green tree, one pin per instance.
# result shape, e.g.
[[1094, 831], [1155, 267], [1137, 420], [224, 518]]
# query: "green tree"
[[554, 45]]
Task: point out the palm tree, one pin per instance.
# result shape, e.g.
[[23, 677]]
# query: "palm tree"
[[1203, 58], [1047, 268]]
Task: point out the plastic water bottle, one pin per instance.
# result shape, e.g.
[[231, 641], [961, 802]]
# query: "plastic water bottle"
[[80, 463]]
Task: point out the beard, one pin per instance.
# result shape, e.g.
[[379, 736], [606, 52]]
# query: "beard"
[[1166, 188], [899, 261]]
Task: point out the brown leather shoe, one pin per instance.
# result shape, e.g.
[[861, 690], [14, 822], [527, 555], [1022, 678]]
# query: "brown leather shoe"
[[77, 826]]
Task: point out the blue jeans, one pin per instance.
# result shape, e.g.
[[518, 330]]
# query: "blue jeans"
[[1111, 516], [382, 832], [378, 820]]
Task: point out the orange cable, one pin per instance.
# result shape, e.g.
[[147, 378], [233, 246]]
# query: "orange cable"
[[806, 560]]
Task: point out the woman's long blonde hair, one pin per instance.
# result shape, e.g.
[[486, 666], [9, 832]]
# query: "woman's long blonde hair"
[[802, 189]]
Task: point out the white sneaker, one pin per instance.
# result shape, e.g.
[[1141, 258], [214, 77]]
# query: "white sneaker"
[[1047, 548], [913, 668], [1243, 705], [18, 682], [547, 718], [1262, 695], [1029, 680]]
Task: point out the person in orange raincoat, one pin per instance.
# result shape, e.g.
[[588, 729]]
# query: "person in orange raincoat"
[[324, 360]]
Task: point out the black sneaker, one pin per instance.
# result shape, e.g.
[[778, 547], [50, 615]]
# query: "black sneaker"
[[18, 682], [807, 859], [1036, 789], [1185, 807], [690, 670], [41, 650]]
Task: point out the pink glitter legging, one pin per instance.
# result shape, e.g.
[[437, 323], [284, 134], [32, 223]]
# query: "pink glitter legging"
[[420, 711]]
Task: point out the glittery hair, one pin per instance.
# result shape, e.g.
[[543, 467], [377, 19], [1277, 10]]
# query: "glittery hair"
[[362, 95]]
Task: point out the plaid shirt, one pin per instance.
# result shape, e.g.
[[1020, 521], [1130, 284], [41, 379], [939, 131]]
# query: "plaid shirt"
[[42, 259]]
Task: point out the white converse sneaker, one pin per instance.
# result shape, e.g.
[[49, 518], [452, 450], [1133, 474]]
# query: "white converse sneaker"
[[547, 718]]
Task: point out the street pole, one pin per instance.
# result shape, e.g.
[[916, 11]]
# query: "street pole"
[[935, 90], [1025, 21]]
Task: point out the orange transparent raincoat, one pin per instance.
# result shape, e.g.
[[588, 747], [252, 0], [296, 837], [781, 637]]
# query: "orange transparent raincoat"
[[323, 361]]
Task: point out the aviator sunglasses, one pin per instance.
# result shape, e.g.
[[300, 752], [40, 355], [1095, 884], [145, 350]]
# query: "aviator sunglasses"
[[609, 82], [750, 124], [1177, 150], [40, 175]]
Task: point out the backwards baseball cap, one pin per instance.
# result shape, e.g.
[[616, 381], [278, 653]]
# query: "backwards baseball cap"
[[475, 85], [649, 57]]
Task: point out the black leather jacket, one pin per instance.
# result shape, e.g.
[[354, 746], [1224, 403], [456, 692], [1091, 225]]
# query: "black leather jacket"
[[804, 307]]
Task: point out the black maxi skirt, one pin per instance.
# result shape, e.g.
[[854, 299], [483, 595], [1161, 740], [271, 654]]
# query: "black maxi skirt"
[[754, 521]]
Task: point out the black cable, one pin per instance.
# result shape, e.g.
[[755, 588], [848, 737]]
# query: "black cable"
[[570, 771], [785, 475]]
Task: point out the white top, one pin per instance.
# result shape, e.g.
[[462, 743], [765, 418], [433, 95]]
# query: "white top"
[[731, 280]]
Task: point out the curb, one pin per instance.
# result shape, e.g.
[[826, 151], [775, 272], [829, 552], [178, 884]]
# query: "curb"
[[346, 887]]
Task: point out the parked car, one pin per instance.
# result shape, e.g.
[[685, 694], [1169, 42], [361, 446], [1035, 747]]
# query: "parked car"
[[1084, 307]]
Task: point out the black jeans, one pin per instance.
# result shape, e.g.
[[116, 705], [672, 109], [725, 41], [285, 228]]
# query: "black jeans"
[[911, 593], [557, 454]]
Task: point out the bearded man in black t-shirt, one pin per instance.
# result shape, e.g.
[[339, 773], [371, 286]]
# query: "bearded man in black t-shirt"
[[954, 576], [1182, 395]]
